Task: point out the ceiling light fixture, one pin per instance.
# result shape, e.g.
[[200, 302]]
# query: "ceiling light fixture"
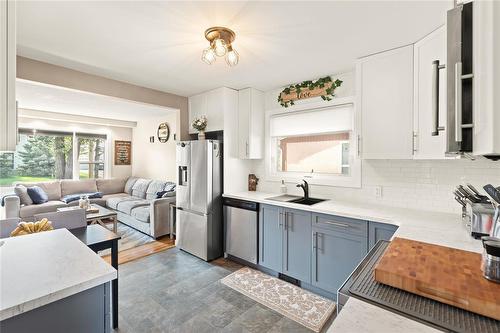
[[221, 40]]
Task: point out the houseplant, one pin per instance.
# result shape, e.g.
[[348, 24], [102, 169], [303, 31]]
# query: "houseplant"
[[199, 124]]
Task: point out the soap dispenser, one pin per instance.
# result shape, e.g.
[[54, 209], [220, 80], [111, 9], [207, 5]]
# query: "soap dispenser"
[[283, 187]]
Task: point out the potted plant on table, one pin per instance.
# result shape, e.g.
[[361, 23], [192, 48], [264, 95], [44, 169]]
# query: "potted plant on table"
[[199, 124]]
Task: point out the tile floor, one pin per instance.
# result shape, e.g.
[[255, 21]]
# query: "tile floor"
[[172, 291]]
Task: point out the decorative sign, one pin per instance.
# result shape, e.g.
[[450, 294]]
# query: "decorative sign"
[[323, 88], [123, 152], [163, 132]]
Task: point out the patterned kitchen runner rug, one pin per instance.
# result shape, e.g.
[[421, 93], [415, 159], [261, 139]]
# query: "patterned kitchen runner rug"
[[306, 308]]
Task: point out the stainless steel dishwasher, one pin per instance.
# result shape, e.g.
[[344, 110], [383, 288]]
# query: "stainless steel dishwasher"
[[241, 222]]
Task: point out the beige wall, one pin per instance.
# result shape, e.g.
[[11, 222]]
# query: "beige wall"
[[38, 71], [154, 160], [26, 120]]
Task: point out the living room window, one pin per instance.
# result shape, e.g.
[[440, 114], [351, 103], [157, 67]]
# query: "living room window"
[[91, 155], [315, 144], [44, 155]]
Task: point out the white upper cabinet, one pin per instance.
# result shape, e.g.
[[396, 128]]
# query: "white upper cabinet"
[[8, 108], [385, 98], [211, 104], [430, 95], [486, 80], [250, 123]]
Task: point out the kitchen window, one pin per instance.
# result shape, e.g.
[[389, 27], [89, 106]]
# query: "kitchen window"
[[317, 145]]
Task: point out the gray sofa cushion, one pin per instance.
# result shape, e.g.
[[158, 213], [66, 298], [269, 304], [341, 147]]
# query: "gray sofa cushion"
[[77, 186], [110, 186], [128, 185], [22, 192], [53, 188], [49, 206], [126, 206], [114, 201], [141, 213], [154, 187], [140, 187]]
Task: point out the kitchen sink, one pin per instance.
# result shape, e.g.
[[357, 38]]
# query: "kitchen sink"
[[296, 199], [285, 198], [307, 201]]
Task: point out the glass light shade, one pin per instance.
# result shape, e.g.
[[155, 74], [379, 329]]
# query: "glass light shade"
[[232, 58], [208, 56], [220, 47]]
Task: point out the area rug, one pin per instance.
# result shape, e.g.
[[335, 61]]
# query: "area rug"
[[307, 309], [129, 238]]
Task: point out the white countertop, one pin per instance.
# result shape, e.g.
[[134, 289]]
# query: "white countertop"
[[41, 268], [431, 227]]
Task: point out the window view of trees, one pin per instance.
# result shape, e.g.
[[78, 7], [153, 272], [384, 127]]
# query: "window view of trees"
[[91, 157], [45, 156]]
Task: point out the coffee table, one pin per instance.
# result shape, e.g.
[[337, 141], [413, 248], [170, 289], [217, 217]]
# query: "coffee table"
[[99, 238], [98, 217]]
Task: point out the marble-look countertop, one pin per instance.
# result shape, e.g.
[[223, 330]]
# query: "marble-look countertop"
[[41, 268], [431, 227]]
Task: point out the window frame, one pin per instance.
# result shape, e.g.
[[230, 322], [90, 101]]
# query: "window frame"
[[353, 179]]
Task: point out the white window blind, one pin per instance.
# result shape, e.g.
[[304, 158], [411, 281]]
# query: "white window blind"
[[329, 120]]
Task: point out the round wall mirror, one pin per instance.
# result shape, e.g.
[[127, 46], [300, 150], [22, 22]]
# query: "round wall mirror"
[[163, 132]]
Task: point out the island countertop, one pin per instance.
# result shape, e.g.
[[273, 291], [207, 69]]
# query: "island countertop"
[[42, 268], [432, 227]]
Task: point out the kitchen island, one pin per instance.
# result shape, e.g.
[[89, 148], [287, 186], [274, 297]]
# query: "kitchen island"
[[432, 227], [51, 281]]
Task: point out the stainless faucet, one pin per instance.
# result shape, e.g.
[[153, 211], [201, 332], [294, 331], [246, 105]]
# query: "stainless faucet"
[[305, 187]]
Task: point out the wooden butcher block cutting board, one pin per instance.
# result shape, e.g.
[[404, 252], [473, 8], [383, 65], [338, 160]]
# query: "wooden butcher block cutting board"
[[444, 274]]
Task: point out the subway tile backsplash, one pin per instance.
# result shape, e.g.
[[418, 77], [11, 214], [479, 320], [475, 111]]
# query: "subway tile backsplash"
[[420, 184]]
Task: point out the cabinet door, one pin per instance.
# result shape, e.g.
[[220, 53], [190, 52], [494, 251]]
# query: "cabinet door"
[[8, 105], [270, 237], [426, 51], [335, 255], [297, 245], [380, 231], [197, 108], [250, 123], [386, 97], [215, 109], [244, 106]]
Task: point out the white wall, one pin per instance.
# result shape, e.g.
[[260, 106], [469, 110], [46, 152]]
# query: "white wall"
[[419, 184], [113, 133], [154, 160]]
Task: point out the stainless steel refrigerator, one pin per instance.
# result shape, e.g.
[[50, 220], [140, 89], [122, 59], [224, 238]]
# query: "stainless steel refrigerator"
[[199, 198]]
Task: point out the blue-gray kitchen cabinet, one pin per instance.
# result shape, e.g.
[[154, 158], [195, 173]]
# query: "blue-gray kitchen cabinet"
[[297, 244], [270, 237], [337, 250], [379, 231]]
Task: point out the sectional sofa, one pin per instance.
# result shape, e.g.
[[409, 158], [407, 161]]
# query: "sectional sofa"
[[134, 200]]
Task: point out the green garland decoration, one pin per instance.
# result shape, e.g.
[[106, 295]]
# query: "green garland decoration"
[[310, 85]]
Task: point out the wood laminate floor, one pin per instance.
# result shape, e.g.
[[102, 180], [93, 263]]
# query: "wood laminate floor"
[[173, 291], [138, 252]]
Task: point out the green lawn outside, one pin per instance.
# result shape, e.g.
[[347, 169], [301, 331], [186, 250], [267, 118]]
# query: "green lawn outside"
[[14, 179], [10, 180]]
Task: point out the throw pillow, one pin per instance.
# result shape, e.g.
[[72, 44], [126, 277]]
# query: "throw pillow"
[[169, 194], [160, 194], [22, 192], [75, 197], [37, 195]]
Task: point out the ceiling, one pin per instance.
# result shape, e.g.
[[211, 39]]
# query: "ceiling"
[[42, 97], [158, 44]]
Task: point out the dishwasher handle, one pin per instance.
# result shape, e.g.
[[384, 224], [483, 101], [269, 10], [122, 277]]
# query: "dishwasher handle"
[[242, 204]]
